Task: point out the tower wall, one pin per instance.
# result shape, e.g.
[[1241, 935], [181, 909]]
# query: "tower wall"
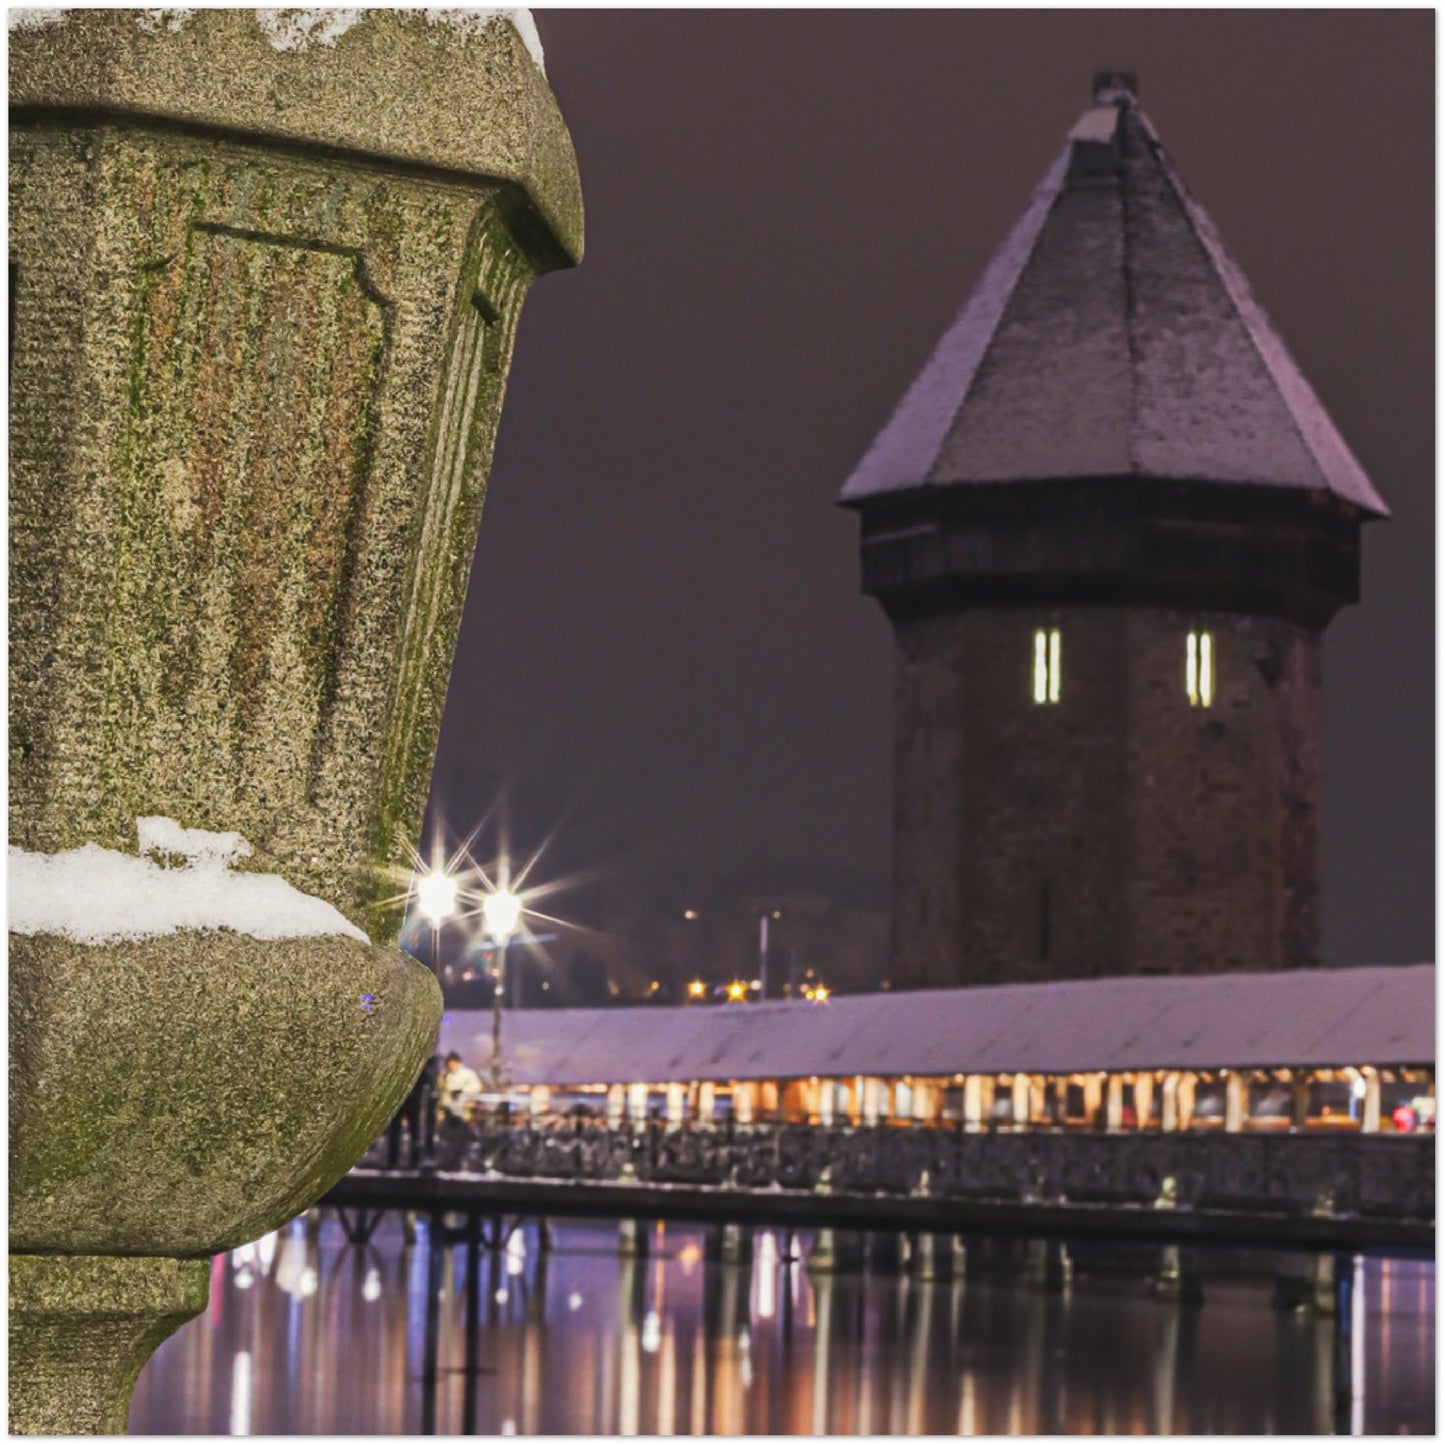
[[1120, 830]]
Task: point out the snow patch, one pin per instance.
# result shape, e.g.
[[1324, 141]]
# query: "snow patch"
[[21, 19], [301, 29], [474, 21], [96, 895], [196, 845], [154, 21]]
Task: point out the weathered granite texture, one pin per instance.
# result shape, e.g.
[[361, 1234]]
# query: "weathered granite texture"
[[265, 277]]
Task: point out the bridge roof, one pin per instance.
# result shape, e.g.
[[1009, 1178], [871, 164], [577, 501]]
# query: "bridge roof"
[[1304, 1018]]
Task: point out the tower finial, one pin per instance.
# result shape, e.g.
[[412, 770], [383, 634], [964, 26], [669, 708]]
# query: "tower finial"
[[1112, 86]]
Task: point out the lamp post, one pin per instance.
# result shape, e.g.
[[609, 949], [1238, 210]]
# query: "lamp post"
[[436, 901], [501, 912]]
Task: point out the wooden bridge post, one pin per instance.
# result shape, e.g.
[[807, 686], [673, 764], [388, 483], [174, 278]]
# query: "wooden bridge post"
[[1299, 1099], [735, 1244], [1236, 1101], [1177, 1279], [923, 1262], [1143, 1099], [1370, 1110], [1114, 1107], [973, 1103], [1047, 1266], [1019, 1101], [833, 1253], [1169, 1104], [631, 1239]]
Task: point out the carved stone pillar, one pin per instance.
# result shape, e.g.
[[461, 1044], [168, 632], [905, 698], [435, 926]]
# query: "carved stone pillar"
[[266, 269]]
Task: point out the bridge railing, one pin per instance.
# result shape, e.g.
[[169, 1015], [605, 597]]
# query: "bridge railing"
[[1380, 1177]]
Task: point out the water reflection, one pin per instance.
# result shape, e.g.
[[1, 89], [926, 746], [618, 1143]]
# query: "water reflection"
[[305, 1334]]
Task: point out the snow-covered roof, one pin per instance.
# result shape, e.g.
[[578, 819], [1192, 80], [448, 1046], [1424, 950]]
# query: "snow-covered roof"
[[1304, 1018], [1112, 335]]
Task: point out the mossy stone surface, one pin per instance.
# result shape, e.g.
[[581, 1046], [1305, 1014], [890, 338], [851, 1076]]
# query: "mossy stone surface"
[[263, 305], [182, 1095], [81, 1330], [262, 332], [418, 92]]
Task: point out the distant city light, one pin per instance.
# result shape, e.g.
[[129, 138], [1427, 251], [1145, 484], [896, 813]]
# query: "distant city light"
[[697, 989], [818, 994], [436, 896], [689, 913], [501, 912], [737, 991]]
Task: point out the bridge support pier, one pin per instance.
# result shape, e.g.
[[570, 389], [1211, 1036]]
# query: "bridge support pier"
[[631, 1239], [729, 1244], [936, 1257], [1178, 1279], [544, 1236], [888, 1250], [1047, 1266], [1307, 1284], [926, 1261], [958, 1254], [835, 1252]]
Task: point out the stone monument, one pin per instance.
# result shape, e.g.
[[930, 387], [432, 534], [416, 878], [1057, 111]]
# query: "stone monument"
[[265, 274]]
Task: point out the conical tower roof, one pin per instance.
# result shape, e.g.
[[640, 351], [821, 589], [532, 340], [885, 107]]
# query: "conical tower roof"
[[1112, 336]]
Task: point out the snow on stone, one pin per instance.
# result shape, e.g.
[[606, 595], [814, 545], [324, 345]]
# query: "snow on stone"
[[301, 29], [26, 19], [474, 21], [96, 895], [153, 21], [165, 835]]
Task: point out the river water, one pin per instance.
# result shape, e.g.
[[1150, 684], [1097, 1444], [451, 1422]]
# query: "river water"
[[308, 1334]]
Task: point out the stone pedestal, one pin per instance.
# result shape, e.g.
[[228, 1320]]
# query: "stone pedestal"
[[266, 270], [81, 1329]]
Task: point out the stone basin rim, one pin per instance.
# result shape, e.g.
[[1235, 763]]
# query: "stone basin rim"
[[492, 117]]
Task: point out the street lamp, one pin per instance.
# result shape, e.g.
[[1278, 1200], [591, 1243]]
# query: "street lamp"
[[436, 896], [501, 912]]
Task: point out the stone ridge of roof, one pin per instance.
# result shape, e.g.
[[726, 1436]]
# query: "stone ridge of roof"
[[1167, 369]]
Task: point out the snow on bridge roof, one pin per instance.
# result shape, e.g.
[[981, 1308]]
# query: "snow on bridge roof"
[[1307, 1018]]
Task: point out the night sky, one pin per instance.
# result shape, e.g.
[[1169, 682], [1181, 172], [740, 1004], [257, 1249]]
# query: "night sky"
[[665, 660]]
